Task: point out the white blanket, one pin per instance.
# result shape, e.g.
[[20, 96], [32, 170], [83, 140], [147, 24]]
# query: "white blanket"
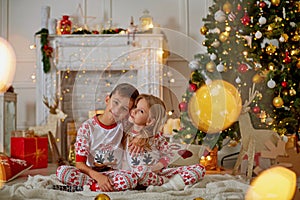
[[212, 187]]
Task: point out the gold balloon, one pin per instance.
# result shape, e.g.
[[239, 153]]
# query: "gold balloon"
[[215, 107], [277, 102], [223, 36], [227, 7], [210, 66], [203, 30], [102, 197], [275, 2]]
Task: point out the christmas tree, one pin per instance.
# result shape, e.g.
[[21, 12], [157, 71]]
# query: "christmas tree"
[[249, 42]]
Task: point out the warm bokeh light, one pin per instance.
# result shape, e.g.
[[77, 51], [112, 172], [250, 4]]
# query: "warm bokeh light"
[[7, 65]]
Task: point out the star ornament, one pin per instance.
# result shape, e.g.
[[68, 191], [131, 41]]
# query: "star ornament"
[[270, 49]]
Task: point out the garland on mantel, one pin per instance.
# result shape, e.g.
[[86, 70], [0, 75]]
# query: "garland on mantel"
[[46, 49]]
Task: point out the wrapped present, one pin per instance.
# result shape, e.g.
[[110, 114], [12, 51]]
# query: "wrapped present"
[[32, 149]]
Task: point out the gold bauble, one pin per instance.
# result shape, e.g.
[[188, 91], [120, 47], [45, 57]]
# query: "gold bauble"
[[203, 30], [214, 107], [270, 49], [275, 2], [298, 64], [271, 66], [277, 102], [223, 36], [257, 78], [227, 7], [210, 66], [102, 197], [292, 91]]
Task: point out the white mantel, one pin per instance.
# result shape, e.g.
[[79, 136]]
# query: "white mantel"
[[100, 62]]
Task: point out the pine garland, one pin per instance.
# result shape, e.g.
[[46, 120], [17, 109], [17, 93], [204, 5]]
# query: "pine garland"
[[46, 49]]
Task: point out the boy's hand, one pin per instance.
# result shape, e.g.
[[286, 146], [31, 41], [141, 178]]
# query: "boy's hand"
[[104, 182]]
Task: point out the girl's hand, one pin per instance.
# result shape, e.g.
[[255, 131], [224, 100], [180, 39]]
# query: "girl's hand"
[[136, 146], [157, 167]]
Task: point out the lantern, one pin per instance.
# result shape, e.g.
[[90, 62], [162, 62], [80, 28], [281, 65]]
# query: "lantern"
[[7, 65]]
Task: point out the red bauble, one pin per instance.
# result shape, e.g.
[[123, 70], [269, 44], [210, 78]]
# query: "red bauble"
[[239, 7], [287, 58], [284, 84], [242, 68], [262, 4], [245, 19], [256, 109], [192, 87], [182, 106]]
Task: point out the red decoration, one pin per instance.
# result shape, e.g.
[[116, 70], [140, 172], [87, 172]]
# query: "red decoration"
[[65, 25], [48, 50], [245, 19], [256, 109], [287, 58], [183, 106], [242, 68], [284, 84], [239, 7], [262, 4], [192, 87], [34, 150]]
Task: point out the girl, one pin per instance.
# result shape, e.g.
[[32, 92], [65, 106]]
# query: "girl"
[[148, 117]]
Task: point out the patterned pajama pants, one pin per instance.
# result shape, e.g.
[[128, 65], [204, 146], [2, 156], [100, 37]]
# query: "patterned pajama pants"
[[123, 180], [190, 175]]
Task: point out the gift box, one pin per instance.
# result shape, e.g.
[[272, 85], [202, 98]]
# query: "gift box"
[[32, 149]]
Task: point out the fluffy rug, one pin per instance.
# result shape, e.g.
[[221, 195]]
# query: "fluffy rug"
[[212, 187]]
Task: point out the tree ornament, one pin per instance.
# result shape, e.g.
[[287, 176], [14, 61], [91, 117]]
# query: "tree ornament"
[[238, 80], [213, 56], [102, 197], [203, 30], [210, 66], [287, 58], [258, 34], [215, 44], [220, 105], [277, 102], [242, 68], [292, 91], [192, 87], [182, 106], [257, 78], [231, 17], [248, 38], [270, 49], [262, 4], [194, 65], [271, 83], [298, 64], [284, 84], [281, 39], [220, 67], [245, 19], [239, 7], [262, 20], [271, 66], [256, 109], [220, 16], [275, 2], [223, 36], [227, 7]]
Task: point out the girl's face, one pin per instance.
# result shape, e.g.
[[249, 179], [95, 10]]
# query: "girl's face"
[[140, 114]]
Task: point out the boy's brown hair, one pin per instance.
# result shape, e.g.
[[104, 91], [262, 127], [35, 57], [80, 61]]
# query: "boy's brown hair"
[[126, 90]]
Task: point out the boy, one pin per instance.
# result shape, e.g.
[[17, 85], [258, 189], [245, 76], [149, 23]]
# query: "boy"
[[98, 143]]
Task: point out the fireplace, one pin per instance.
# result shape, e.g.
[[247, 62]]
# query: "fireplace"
[[85, 68]]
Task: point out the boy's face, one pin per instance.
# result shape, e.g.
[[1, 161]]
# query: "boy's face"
[[118, 106], [140, 114]]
